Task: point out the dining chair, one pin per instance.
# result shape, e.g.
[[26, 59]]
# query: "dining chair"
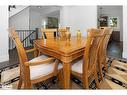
[[49, 33], [36, 70], [103, 50], [86, 67], [62, 32]]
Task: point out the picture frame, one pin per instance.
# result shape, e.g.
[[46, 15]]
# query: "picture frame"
[[113, 22]]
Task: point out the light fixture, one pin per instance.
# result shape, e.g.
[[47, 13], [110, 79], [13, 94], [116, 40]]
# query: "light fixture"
[[38, 6], [11, 6]]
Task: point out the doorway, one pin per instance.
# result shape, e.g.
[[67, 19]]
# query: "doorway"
[[112, 16]]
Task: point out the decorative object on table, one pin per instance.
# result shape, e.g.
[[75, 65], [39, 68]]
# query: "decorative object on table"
[[78, 34], [68, 34], [62, 32], [67, 44]]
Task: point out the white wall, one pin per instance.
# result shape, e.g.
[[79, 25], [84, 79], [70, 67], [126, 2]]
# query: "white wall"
[[21, 20], [38, 15], [113, 11], [78, 18], [35, 20], [31, 17], [14, 11], [124, 31], [3, 33]]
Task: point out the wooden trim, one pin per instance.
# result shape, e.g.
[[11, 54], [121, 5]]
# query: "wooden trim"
[[43, 78], [43, 61], [31, 50], [49, 33]]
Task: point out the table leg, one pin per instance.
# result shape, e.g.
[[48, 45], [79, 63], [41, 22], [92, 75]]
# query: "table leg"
[[66, 72]]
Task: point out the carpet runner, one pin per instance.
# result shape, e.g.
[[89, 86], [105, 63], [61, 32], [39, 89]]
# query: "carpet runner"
[[116, 78]]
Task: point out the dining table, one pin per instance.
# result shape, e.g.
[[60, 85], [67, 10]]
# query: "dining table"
[[65, 50]]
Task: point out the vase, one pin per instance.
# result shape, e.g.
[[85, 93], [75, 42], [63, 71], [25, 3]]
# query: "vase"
[[68, 35], [78, 34]]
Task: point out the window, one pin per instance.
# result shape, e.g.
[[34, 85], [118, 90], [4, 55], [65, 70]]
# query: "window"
[[113, 22]]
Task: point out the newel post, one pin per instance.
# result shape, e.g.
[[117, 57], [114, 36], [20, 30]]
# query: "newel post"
[[36, 30]]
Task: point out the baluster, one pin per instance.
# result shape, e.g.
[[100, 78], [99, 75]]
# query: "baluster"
[[20, 35], [25, 40], [28, 38], [36, 37], [9, 43], [28, 41]]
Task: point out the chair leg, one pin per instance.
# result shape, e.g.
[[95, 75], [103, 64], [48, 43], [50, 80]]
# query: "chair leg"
[[100, 71], [105, 65], [27, 85], [36, 53], [20, 82], [96, 78], [39, 53]]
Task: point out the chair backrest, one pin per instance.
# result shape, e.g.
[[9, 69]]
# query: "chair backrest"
[[21, 53], [49, 33], [62, 31], [103, 47], [93, 42]]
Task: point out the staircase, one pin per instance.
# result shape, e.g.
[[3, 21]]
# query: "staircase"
[[18, 19], [26, 36]]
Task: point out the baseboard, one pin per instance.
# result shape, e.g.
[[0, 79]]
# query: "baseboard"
[[4, 58]]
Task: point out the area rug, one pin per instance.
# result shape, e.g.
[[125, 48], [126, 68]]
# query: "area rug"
[[116, 78]]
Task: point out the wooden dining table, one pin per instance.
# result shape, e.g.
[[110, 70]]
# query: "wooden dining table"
[[64, 50]]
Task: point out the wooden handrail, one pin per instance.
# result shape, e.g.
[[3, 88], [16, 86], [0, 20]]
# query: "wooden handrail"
[[24, 30], [27, 36]]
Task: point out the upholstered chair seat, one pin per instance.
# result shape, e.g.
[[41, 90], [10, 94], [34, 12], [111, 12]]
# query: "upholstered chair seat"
[[41, 70], [77, 66]]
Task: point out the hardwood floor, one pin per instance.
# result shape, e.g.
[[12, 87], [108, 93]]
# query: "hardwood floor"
[[13, 58], [115, 49]]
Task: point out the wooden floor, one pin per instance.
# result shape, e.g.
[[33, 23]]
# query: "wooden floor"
[[13, 58], [115, 79], [114, 50]]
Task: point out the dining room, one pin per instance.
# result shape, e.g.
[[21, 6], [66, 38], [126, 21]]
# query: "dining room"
[[60, 47]]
